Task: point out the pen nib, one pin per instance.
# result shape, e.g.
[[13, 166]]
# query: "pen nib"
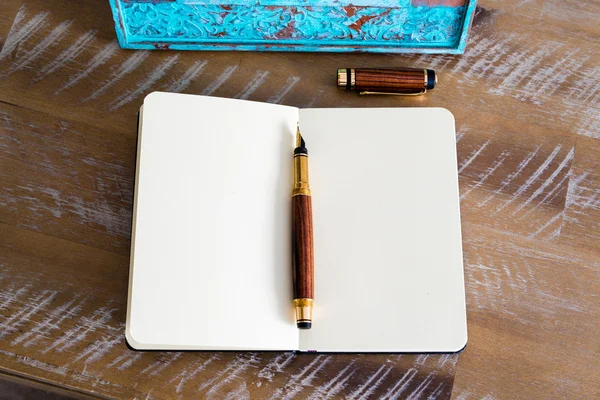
[[299, 139]]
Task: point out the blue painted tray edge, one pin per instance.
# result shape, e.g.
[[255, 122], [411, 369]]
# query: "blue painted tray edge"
[[181, 42]]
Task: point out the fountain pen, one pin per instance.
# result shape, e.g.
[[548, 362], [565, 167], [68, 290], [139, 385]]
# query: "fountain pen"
[[302, 238]]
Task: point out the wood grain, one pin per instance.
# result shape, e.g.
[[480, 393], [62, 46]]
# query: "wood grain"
[[8, 15], [303, 257], [388, 81], [526, 99]]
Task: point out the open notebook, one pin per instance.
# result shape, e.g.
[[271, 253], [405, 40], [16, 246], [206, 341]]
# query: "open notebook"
[[211, 242]]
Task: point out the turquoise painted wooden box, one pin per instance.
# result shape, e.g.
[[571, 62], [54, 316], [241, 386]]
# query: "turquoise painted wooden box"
[[389, 26]]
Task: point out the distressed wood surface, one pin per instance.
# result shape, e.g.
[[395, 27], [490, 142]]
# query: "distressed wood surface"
[[526, 97]]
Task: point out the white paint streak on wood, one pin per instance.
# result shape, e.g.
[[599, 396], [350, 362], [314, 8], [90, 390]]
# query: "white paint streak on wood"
[[67, 55], [79, 332], [473, 156], [18, 35], [451, 358], [463, 396], [333, 386], [579, 14], [95, 62], [305, 382], [7, 122], [126, 360], [298, 381], [115, 221], [415, 394], [366, 389], [581, 90], [285, 89], [543, 256], [506, 287], [575, 189], [555, 301], [497, 163], [312, 101], [556, 233], [52, 322], [438, 61], [487, 60], [185, 376], [56, 35], [358, 391], [19, 18], [158, 366], [258, 79], [146, 84], [188, 77], [512, 176], [550, 195], [99, 348], [11, 295], [229, 373], [206, 384], [525, 69], [583, 200], [421, 358], [130, 361], [563, 164], [36, 363], [549, 78], [590, 123], [538, 172], [123, 357], [399, 387], [437, 391], [241, 393], [507, 65], [275, 366], [22, 316], [592, 202], [481, 44], [221, 79], [127, 67], [490, 281]]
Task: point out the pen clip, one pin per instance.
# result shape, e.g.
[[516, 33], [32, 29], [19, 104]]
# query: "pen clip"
[[396, 94]]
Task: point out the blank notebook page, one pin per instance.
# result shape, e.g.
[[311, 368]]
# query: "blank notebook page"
[[388, 257], [211, 255]]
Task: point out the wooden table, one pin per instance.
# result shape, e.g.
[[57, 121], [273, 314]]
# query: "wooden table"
[[526, 97]]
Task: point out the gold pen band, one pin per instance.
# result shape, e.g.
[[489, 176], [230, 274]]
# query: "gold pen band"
[[301, 186], [303, 309]]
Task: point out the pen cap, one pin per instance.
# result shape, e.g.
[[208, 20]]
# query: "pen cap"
[[408, 81]]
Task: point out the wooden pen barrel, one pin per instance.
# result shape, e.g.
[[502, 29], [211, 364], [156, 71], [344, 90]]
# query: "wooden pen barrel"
[[405, 80], [302, 247]]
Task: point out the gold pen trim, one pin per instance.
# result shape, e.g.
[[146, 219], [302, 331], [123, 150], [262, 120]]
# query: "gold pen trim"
[[395, 94], [303, 309], [301, 185], [301, 192], [346, 78]]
